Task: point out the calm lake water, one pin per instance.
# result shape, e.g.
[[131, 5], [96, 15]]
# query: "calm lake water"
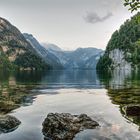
[[99, 95]]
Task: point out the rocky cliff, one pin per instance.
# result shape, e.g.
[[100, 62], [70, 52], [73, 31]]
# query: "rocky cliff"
[[123, 49], [15, 51]]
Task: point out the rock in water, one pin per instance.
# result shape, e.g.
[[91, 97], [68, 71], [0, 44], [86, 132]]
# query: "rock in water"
[[8, 123], [131, 110], [65, 126]]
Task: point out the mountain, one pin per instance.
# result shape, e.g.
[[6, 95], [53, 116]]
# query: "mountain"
[[15, 51], [123, 49], [81, 58], [45, 54], [51, 47], [93, 60]]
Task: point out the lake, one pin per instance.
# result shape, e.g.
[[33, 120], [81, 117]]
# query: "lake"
[[30, 96]]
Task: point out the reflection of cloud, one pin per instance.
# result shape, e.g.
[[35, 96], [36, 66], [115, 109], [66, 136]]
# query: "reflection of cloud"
[[92, 17]]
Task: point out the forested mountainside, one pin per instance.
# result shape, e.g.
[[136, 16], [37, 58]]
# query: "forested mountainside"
[[23, 51], [81, 58], [45, 54], [15, 51], [123, 49]]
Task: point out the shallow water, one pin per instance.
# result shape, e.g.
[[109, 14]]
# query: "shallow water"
[[98, 95]]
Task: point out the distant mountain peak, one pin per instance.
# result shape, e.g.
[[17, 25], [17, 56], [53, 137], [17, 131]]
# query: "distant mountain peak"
[[88, 48], [50, 46], [26, 34], [81, 58]]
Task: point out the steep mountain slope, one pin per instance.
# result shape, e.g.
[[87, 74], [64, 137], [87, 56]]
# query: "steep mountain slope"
[[93, 60], [15, 50], [123, 49], [51, 47], [46, 55], [81, 58]]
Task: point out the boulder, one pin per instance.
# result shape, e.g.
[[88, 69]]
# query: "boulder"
[[65, 126], [8, 123], [131, 110]]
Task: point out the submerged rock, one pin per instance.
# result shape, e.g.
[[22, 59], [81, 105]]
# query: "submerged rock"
[[8, 123], [65, 126], [131, 110]]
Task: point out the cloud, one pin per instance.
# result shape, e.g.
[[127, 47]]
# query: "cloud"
[[92, 17]]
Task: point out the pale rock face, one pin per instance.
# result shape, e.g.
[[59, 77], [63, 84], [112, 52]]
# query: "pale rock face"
[[118, 59], [13, 57], [4, 48]]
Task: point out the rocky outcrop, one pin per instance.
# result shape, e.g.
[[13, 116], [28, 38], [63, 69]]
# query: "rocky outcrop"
[[65, 126], [8, 123], [118, 60], [131, 110], [132, 113]]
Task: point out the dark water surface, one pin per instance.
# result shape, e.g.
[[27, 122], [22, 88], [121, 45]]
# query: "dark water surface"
[[30, 96]]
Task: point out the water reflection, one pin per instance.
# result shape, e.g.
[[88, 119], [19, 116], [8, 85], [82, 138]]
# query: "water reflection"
[[123, 87], [14, 89], [124, 90], [72, 78], [119, 79], [15, 86]]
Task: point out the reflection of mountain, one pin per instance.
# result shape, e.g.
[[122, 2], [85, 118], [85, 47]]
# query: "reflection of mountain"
[[62, 77], [73, 78], [15, 86], [14, 89]]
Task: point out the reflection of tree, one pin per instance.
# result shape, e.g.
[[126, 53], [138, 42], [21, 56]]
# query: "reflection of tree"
[[123, 90], [29, 77], [114, 79], [119, 79], [125, 97], [104, 77], [13, 91]]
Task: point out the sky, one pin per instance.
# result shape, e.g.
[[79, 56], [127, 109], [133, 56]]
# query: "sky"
[[70, 24]]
